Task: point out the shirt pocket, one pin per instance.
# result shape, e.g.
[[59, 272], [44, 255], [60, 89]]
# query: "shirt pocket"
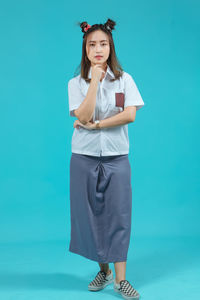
[[117, 101]]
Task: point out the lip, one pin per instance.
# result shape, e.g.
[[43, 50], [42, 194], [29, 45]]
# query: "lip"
[[98, 56]]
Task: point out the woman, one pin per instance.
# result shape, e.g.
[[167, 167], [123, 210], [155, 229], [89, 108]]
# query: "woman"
[[104, 99]]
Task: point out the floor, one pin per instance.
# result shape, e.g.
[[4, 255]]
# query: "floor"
[[158, 268]]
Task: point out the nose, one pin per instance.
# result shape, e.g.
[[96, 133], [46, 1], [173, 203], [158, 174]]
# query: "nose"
[[98, 47]]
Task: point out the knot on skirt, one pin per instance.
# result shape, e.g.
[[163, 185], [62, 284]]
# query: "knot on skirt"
[[102, 180]]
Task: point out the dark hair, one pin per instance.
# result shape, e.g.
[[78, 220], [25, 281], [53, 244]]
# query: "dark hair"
[[112, 61]]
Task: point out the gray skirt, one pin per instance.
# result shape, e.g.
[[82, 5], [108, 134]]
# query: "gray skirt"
[[100, 206]]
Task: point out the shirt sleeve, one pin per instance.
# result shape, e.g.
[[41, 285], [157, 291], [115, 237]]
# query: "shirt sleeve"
[[132, 94], [75, 96]]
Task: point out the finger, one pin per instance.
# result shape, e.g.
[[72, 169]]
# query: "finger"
[[100, 67]]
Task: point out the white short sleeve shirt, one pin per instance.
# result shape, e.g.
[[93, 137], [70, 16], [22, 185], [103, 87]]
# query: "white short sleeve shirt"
[[112, 98]]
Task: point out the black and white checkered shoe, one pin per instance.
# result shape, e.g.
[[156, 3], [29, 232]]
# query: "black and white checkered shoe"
[[101, 281], [126, 290]]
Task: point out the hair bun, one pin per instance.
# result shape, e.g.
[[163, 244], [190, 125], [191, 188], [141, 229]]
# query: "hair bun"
[[83, 25], [110, 25]]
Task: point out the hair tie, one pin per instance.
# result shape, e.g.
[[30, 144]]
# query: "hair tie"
[[108, 27], [87, 27]]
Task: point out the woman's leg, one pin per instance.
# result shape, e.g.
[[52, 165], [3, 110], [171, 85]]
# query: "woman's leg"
[[105, 268], [120, 271]]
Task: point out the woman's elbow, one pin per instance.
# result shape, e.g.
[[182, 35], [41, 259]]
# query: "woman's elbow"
[[131, 113], [80, 118]]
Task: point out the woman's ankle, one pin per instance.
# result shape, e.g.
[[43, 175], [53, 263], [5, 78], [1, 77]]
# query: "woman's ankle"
[[118, 280], [108, 271], [104, 267]]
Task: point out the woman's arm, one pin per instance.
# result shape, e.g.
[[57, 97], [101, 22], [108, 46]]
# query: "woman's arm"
[[86, 109], [124, 117]]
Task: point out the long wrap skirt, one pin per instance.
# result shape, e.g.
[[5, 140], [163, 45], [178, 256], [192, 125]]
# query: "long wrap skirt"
[[100, 206]]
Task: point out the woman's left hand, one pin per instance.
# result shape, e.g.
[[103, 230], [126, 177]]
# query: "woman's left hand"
[[88, 125]]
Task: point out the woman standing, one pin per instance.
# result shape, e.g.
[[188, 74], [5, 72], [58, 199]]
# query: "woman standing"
[[104, 99]]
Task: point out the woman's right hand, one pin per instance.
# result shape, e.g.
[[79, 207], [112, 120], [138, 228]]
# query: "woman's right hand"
[[97, 71]]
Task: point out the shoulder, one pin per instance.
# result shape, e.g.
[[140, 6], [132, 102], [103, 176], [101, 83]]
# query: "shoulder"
[[77, 85], [129, 82], [126, 76], [74, 81]]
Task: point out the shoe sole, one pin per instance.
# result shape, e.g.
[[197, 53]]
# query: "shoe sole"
[[98, 288], [127, 297]]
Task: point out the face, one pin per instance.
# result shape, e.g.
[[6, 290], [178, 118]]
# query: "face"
[[97, 44]]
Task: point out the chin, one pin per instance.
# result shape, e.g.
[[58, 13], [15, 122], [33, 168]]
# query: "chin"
[[99, 62]]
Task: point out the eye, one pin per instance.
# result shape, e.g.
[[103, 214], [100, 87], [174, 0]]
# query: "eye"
[[104, 44]]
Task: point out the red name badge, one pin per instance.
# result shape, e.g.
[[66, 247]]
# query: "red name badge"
[[119, 99]]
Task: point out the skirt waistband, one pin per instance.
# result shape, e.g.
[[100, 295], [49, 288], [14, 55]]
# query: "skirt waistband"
[[101, 158]]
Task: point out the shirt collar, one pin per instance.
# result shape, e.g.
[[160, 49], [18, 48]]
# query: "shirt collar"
[[108, 71]]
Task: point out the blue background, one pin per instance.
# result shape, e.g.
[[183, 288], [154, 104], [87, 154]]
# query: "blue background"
[[157, 42]]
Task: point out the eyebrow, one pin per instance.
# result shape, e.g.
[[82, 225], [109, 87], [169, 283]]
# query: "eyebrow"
[[100, 41]]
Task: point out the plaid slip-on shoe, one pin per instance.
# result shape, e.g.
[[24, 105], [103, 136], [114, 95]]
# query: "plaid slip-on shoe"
[[100, 281], [126, 290]]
